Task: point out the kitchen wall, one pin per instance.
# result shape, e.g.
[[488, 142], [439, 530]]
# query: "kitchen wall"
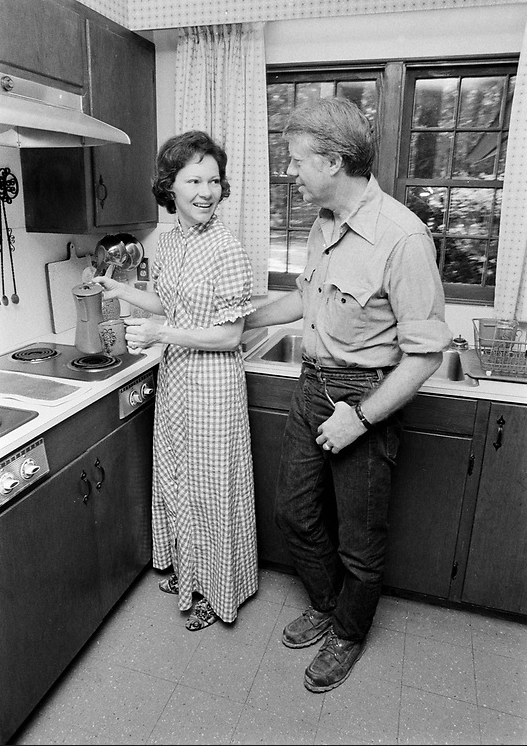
[[462, 31]]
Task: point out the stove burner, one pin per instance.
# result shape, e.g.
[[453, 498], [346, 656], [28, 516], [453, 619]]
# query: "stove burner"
[[97, 361], [35, 354]]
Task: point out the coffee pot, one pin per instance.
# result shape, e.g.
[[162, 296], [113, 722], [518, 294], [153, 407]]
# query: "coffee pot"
[[88, 302]]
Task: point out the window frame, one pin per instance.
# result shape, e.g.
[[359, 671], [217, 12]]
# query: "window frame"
[[393, 80]]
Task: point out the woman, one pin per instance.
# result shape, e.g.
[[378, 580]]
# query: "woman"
[[203, 496]]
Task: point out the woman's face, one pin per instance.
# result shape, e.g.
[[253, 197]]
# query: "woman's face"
[[197, 191]]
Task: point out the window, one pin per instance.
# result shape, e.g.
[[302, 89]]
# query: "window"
[[442, 137]]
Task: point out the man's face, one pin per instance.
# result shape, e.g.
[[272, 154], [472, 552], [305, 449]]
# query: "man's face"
[[310, 170]]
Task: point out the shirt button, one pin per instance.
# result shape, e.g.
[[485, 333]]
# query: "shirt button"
[[326, 251], [320, 290], [343, 300], [312, 326]]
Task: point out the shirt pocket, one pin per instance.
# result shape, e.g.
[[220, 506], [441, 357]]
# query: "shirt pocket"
[[346, 311]]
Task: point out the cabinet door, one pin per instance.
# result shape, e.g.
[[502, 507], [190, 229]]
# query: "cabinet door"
[[120, 467], [44, 40], [267, 429], [122, 70], [49, 589], [496, 574], [425, 511]]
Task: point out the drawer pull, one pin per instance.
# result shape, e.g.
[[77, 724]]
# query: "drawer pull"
[[97, 465], [499, 434], [85, 493]]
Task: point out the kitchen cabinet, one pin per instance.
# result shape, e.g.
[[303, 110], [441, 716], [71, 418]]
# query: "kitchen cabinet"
[[458, 513], [70, 548], [435, 474], [80, 190], [45, 40], [269, 400], [496, 572]]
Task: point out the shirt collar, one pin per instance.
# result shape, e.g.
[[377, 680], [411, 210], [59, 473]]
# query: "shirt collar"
[[363, 219]]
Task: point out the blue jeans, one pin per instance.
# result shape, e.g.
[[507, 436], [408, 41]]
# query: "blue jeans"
[[332, 508]]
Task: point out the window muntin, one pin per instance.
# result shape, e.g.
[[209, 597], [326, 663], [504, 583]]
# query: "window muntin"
[[450, 151], [451, 169]]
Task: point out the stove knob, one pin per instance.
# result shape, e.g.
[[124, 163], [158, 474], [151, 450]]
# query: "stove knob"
[[8, 482], [146, 390], [134, 398], [28, 469]]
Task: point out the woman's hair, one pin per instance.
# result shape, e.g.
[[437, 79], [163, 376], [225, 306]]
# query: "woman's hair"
[[335, 126], [175, 154]]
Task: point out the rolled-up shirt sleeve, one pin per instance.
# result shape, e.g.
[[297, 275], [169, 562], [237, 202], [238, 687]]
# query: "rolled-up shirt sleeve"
[[417, 297]]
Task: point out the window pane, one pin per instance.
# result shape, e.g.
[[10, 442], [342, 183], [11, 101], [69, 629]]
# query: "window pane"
[[429, 204], [430, 155], [475, 154], [497, 212], [278, 203], [363, 93], [278, 154], [491, 264], [302, 213], [481, 101], [464, 261], [435, 102], [297, 251], [307, 92], [280, 97], [470, 211], [278, 252]]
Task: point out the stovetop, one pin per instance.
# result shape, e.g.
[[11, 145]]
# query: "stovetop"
[[60, 359]]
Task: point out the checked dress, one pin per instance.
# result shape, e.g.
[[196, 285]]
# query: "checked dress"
[[203, 517]]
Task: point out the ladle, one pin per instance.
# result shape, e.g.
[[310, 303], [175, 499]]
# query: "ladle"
[[8, 191], [5, 299]]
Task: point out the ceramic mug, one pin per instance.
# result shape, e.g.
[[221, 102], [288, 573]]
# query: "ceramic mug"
[[112, 333]]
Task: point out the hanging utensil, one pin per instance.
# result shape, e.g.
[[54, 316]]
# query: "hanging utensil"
[[5, 299], [11, 247], [8, 192]]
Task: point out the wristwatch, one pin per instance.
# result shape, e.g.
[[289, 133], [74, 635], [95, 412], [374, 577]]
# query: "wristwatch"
[[360, 414]]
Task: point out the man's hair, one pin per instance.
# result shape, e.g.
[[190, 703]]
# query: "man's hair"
[[335, 126], [174, 155]]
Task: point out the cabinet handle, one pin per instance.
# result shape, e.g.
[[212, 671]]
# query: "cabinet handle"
[[87, 484], [97, 465], [499, 434], [102, 192]]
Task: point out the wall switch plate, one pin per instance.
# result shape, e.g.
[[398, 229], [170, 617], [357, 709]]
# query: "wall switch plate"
[[143, 270]]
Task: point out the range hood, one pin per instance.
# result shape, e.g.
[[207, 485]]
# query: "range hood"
[[33, 115]]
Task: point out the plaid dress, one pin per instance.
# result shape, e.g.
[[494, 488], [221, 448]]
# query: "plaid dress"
[[203, 493]]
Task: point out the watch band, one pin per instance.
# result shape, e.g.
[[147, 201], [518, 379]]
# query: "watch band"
[[360, 414]]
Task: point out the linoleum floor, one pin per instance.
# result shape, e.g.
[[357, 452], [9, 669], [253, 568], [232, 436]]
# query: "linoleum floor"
[[429, 675]]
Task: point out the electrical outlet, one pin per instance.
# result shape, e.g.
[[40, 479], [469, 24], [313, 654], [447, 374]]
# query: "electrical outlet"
[[143, 270]]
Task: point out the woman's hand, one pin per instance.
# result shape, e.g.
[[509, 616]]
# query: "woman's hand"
[[141, 333], [112, 288]]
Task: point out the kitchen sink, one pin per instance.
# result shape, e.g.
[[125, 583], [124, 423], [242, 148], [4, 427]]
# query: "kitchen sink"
[[285, 347], [11, 418], [451, 368]]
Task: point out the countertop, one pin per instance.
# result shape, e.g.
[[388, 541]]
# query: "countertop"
[[50, 415]]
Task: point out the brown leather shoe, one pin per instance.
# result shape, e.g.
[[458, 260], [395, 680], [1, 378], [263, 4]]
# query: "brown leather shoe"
[[332, 664], [307, 628]]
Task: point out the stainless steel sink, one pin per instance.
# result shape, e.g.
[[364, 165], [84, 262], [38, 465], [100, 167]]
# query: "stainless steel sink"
[[285, 346], [451, 368]]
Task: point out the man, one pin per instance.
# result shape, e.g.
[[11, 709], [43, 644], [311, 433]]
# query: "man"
[[373, 331]]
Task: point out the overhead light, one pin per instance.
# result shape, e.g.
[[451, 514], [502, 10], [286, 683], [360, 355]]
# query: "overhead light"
[[33, 115]]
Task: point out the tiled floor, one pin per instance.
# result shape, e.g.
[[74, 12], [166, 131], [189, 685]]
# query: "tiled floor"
[[429, 675]]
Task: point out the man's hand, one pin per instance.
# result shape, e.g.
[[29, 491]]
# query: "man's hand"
[[341, 429]]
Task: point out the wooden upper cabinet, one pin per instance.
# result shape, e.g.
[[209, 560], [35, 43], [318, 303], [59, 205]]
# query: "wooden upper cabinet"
[[107, 187], [122, 85], [43, 41]]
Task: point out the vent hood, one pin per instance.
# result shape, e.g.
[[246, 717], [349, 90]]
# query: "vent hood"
[[33, 115]]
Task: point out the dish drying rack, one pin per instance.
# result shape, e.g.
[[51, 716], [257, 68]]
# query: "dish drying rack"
[[501, 347]]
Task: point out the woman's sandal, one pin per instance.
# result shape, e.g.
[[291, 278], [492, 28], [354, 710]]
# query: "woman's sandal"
[[170, 585], [202, 616]]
